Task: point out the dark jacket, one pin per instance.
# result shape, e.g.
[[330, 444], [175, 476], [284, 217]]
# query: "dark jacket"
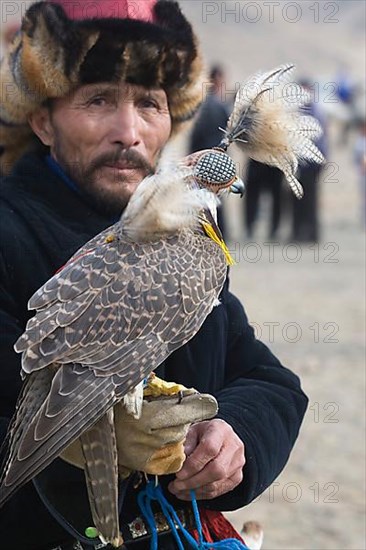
[[43, 222], [213, 115]]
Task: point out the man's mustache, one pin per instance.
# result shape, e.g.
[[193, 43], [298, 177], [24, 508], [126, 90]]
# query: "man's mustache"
[[134, 160]]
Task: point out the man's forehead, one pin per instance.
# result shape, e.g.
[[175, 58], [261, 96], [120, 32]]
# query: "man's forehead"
[[123, 90]]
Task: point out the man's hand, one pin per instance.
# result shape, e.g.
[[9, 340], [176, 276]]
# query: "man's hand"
[[153, 443], [214, 463]]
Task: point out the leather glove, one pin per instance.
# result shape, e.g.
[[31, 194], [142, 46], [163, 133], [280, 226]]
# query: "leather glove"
[[154, 443]]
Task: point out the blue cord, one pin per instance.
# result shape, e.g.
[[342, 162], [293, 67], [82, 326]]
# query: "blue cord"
[[144, 502], [231, 544], [154, 492]]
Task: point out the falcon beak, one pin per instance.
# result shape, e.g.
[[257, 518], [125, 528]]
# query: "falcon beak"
[[237, 187]]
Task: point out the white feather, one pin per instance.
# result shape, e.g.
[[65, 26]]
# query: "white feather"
[[163, 204]]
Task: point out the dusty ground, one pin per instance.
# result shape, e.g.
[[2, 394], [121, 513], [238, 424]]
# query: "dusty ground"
[[318, 303]]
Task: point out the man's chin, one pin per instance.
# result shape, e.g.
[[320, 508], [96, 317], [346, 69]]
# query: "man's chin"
[[119, 189], [110, 198], [108, 205], [109, 189], [109, 176]]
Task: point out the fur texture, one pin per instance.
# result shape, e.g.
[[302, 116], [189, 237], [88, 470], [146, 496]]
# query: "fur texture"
[[53, 54]]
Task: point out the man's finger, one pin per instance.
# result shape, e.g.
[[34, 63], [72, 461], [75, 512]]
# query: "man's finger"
[[207, 449], [213, 490], [221, 468]]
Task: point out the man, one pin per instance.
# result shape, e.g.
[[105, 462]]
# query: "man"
[[88, 108], [359, 153], [261, 177]]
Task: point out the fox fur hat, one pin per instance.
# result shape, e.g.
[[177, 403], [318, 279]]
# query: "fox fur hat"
[[63, 44]]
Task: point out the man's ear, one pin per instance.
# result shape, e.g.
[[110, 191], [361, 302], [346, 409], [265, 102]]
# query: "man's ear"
[[40, 122]]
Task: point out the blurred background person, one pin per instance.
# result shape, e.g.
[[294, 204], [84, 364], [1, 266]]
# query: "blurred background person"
[[213, 115], [260, 179], [360, 161], [305, 212], [346, 91]]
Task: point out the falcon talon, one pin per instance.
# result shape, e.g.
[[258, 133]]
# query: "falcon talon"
[[138, 481]]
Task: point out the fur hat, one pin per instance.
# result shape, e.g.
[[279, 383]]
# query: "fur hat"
[[63, 44]]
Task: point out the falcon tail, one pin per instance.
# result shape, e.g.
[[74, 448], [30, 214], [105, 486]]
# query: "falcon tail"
[[101, 472]]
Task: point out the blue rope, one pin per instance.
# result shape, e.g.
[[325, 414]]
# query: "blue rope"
[[154, 492]]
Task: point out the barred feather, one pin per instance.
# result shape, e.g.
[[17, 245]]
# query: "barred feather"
[[267, 124]]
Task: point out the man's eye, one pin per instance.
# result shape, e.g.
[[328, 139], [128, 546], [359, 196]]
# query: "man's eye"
[[149, 103], [98, 101]]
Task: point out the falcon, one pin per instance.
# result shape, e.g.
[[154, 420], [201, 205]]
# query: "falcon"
[[121, 305]]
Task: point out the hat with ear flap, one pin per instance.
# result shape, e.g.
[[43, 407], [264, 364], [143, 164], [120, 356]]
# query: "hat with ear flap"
[[64, 44]]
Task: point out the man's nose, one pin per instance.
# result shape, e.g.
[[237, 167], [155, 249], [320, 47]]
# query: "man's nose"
[[125, 130]]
